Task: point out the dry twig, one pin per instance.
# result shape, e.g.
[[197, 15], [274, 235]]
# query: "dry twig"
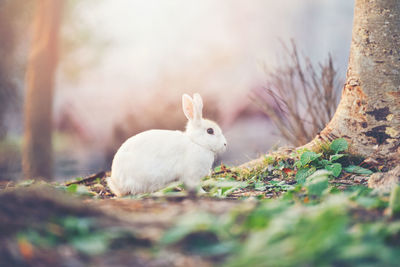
[[304, 99]]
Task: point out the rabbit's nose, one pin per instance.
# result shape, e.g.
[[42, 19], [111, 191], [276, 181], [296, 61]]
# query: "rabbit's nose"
[[224, 144]]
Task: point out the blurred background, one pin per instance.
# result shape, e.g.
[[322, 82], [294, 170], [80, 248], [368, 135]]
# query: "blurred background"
[[124, 64]]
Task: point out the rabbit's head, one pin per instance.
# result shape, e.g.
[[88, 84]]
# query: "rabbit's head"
[[203, 132]]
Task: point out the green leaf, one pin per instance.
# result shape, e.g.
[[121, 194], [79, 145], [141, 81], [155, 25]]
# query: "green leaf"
[[72, 188], [79, 189], [260, 186], [172, 187], [298, 164], [222, 187], [335, 168], [394, 204], [368, 202], [317, 182], [317, 186], [188, 223], [77, 225], [325, 162], [336, 157], [93, 244], [308, 156], [269, 159], [217, 169], [83, 190], [302, 174], [357, 170], [339, 145]]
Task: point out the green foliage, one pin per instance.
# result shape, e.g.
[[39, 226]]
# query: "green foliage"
[[80, 233], [79, 190], [335, 168], [172, 189], [343, 229], [303, 173], [308, 157], [279, 186], [313, 224], [339, 145], [358, 170], [222, 187], [331, 159], [260, 217], [317, 183], [394, 204], [190, 223], [336, 157], [199, 233], [298, 167]]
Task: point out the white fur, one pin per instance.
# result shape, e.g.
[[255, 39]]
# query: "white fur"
[[149, 160]]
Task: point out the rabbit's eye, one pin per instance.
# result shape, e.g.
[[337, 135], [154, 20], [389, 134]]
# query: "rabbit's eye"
[[210, 131]]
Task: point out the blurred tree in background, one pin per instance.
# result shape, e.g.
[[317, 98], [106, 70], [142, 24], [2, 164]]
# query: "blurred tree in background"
[[17, 35], [39, 83], [13, 20]]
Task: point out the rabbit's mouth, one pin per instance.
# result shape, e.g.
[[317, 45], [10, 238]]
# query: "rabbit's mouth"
[[221, 150], [214, 151]]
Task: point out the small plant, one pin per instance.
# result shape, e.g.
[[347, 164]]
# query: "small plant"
[[312, 171], [333, 160], [310, 161]]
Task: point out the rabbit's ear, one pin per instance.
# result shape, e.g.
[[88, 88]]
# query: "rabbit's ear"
[[188, 106], [198, 105]]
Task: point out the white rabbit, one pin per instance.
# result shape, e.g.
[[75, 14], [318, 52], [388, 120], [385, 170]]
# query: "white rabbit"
[[149, 160]]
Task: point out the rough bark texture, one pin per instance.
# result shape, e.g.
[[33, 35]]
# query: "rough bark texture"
[[37, 154], [385, 181], [369, 112]]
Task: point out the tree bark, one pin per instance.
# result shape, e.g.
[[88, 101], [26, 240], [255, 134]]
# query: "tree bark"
[[39, 82], [368, 114]]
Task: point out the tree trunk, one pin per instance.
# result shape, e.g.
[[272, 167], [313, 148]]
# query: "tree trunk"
[[368, 114], [42, 64]]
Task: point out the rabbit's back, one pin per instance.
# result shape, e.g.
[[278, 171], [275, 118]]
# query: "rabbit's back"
[[145, 162]]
